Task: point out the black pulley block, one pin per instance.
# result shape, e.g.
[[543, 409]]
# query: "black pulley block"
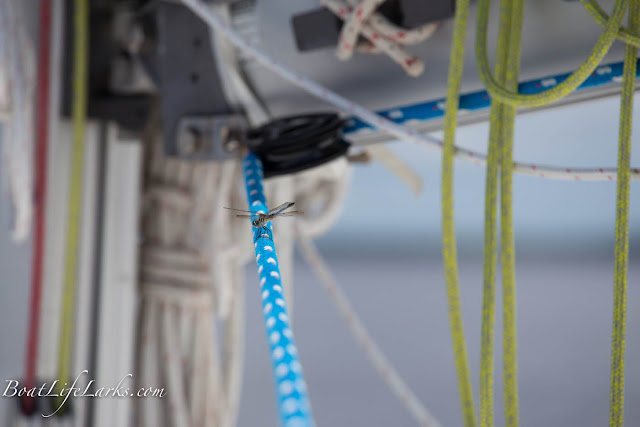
[[295, 143]]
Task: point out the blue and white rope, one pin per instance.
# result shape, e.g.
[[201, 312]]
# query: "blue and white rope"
[[425, 111], [291, 389]]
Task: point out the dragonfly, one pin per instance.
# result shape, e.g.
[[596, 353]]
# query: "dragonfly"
[[263, 218]]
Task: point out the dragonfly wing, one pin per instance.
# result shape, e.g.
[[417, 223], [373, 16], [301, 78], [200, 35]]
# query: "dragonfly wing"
[[282, 207], [292, 213], [244, 216], [240, 210]]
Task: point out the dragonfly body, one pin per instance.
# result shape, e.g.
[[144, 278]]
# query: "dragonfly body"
[[261, 219]]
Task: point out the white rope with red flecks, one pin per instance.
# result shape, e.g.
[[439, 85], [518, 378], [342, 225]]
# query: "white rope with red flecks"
[[385, 125], [361, 18]]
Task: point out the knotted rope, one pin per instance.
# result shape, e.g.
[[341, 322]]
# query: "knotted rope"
[[361, 18]]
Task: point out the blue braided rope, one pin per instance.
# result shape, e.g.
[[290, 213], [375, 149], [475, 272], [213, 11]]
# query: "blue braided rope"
[[291, 389], [603, 75]]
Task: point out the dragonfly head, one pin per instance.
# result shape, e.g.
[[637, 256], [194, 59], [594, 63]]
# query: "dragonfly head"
[[258, 219]]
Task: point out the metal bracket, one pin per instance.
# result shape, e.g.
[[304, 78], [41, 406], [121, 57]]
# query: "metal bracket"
[[210, 138], [183, 66]]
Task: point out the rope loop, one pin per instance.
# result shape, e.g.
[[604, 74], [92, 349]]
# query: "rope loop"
[[500, 93], [602, 18]]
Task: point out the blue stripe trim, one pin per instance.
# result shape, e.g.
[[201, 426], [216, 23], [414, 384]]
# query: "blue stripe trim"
[[291, 389], [602, 75]]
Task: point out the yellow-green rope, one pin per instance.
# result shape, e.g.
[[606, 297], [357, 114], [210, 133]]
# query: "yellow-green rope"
[[512, 97], [449, 253], [502, 118], [507, 245], [488, 288], [490, 226], [616, 399], [79, 106], [602, 18]]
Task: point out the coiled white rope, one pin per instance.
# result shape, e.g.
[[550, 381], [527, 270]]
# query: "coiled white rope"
[[387, 126], [190, 273], [17, 86], [360, 17], [320, 193]]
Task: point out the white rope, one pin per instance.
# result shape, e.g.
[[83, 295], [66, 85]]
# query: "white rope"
[[234, 86], [17, 85], [388, 373], [387, 126], [234, 353], [190, 273], [360, 17], [320, 193], [396, 165]]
